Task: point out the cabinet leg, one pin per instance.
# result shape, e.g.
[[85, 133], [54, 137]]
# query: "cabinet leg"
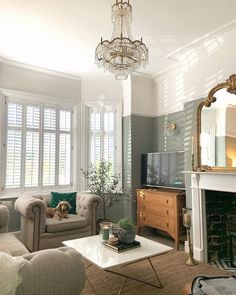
[[139, 230]]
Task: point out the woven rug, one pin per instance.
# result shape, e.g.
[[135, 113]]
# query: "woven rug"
[[172, 271]]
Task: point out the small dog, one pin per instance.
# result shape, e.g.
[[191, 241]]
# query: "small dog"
[[61, 211]]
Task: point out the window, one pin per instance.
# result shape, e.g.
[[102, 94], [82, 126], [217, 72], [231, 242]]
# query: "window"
[[105, 134], [38, 146]]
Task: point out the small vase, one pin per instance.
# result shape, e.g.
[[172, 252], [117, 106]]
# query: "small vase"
[[105, 228], [126, 236]]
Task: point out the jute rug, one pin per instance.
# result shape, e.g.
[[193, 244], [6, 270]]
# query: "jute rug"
[[172, 271]]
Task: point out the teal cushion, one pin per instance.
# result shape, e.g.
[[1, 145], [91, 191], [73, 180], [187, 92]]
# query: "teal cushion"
[[69, 197]]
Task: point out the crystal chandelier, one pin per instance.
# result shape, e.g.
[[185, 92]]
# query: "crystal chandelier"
[[121, 56]]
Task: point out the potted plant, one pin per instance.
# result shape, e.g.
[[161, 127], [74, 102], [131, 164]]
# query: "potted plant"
[[103, 182], [126, 232]]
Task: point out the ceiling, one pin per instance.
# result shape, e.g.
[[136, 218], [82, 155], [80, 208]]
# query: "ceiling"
[[61, 35]]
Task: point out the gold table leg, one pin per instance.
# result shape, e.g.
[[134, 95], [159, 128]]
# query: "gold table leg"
[[135, 279]]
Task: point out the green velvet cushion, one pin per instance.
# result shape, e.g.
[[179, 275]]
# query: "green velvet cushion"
[[69, 197]]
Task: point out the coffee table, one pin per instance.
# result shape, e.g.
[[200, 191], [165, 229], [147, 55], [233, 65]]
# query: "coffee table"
[[93, 250]]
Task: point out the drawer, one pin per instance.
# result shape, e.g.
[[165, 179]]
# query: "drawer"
[[157, 209], [160, 222], [165, 199]]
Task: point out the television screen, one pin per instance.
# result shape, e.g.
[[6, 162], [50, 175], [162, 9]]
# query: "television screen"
[[164, 169]]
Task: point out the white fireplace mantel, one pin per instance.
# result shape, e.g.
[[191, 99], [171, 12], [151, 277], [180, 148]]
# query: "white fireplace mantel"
[[201, 181]]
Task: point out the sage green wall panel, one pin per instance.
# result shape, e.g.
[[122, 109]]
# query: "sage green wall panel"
[[169, 140]]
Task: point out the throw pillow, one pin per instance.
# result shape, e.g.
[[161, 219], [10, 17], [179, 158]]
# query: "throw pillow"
[[10, 277], [69, 197]]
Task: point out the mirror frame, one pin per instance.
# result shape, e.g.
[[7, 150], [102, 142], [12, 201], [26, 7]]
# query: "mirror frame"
[[230, 85]]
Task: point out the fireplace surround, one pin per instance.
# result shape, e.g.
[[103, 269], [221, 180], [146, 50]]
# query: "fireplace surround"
[[200, 182]]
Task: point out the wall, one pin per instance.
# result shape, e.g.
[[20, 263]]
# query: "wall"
[[204, 64], [200, 68], [46, 84]]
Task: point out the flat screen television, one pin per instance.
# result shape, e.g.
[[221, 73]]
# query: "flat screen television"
[[163, 169]]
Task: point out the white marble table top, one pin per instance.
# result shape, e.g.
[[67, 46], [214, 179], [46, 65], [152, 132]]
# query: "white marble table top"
[[92, 249]]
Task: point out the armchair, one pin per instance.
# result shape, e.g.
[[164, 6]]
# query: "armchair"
[[52, 271], [39, 232]]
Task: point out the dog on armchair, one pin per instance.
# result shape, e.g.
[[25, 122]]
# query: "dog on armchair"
[[61, 211]]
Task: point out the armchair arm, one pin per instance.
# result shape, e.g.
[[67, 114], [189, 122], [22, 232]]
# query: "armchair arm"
[[32, 208], [87, 205], [4, 218], [53, 271], [33, 218]]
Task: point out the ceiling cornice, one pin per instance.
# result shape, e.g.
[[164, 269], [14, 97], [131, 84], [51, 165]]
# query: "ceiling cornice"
[[195, 44], [32, 68]]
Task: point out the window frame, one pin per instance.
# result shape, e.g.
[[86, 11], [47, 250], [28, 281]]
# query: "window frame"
[[42, 104], [116, 106]]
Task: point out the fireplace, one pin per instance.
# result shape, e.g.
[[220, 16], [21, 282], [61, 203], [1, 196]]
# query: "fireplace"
[[202, 185], [220, 221]]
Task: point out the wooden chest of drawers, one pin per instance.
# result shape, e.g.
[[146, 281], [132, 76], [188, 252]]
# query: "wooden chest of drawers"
[[161, 209]]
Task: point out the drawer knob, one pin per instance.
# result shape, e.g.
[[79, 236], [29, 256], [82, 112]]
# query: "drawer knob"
[[167, 212], [167, 224], [144, 218], [143, 207], [167, 201]]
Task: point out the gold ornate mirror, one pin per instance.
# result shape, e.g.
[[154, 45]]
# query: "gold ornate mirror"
[[216, 128]]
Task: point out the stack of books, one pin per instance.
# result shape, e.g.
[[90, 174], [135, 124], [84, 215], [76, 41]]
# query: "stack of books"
[[120, 247]]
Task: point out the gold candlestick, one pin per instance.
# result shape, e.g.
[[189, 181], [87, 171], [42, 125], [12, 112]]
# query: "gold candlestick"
[[187, 222]]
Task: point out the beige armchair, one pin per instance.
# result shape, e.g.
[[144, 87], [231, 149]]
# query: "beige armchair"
[[39, 232], [53, 271]]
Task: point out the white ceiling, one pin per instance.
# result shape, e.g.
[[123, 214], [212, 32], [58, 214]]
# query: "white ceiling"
[[61, 35]]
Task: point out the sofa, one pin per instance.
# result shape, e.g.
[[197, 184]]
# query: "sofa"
[[8, 242], [39, 232], [48, 272]]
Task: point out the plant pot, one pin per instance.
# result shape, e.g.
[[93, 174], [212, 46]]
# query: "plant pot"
[[126, 236]]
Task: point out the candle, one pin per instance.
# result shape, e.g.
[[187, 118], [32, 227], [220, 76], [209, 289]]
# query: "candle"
[[105, 233], [187, 220], [192, 145]]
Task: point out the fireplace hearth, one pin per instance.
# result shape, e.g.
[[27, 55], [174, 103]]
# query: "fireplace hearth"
[[220, 221]]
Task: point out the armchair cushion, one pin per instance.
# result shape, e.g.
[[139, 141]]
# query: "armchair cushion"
[[69, 197], [10, 244], [73, 222]]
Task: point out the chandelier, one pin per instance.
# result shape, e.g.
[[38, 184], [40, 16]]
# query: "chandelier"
[[121, 56]]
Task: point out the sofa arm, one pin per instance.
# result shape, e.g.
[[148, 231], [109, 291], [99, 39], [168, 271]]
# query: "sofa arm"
[[53, 271], [87, 205], [32, 208], [4, 218]]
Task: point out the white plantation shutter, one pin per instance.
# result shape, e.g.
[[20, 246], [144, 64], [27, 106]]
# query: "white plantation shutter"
[[13, 167], [14, 145], [103, 137], [38, 146], [32, 159], [64, 159], [65, 148], [49, 159], [32, 146]]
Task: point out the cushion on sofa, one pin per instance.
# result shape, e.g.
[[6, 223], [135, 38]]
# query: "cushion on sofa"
[[73, 222], [11, 245], [69, 197]]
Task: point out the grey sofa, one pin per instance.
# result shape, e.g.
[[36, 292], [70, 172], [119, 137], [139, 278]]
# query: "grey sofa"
[[39, 232], [54, 271]]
